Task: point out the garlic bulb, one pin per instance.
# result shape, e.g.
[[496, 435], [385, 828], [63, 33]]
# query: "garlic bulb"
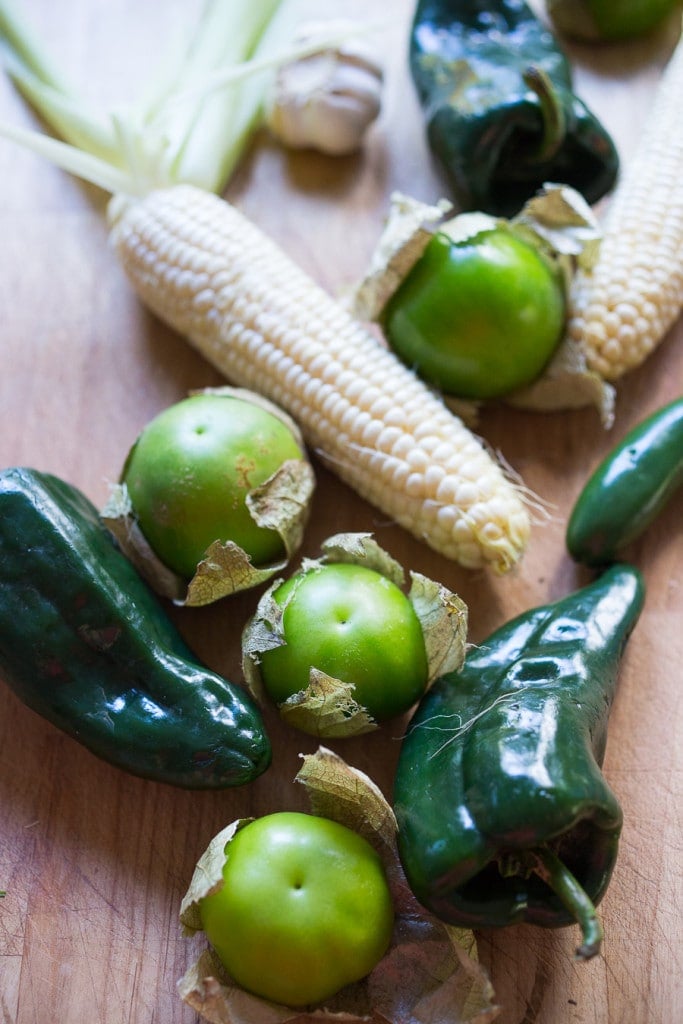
[[327, 100]]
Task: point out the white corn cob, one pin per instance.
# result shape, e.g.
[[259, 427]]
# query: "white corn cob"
[[621, 310], [206, 270]]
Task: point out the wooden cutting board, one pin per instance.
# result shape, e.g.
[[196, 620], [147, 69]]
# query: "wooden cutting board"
[[95, 862]]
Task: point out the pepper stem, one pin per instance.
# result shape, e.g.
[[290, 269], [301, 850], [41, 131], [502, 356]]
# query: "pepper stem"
[[557, 875], [552, 112]]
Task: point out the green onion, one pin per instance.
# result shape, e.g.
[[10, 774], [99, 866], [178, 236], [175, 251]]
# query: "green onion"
[[203, 141], [200, 109]]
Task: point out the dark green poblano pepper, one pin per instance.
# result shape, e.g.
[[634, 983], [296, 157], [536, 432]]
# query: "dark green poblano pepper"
[[502, 117], [87, 645], [504, 814]]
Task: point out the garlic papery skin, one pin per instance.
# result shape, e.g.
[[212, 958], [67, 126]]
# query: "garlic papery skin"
[[327, 100]]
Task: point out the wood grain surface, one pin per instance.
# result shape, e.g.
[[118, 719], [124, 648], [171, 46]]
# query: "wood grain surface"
[[95, 862]]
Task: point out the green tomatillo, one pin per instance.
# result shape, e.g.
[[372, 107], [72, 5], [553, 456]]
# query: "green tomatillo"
[[192, 470], [304, 908], [479, 317], [608, 20], [356, 625]]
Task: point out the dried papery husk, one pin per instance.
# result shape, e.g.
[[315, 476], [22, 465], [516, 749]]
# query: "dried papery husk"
[[281, 503], [263, 632], [326, 707], [429, 975], [406, 234], [559, 223], [361, 549], [117, 515], [444, 618], [210, 992], [563, 219], [567, 383], [207, 876]]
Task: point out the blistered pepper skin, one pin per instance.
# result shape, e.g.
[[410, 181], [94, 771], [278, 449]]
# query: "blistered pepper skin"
[[502, 758], [85, 644], [501, 116], [629, 488]]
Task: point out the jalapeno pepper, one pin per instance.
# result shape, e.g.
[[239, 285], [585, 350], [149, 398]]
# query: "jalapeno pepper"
[[629, 488], [504, 814], [502, 118]]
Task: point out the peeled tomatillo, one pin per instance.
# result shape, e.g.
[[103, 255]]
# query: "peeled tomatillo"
[[609, 19], [477, 318], [305, 908], [190, 471], [356, 625]]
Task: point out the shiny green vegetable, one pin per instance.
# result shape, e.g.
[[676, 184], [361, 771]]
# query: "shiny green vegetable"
[[608, 20], [502, 118], [304, 910], [504, 815], [85, 644], [629, 488], [477, 318], [192, 469], [355, 625]]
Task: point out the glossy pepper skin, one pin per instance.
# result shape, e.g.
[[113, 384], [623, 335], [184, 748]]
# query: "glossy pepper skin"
[[629, 488], [85, 644], [501, 116], [499, 773]]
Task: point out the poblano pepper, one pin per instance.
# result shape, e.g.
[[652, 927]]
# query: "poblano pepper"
[[504, 814], [86, 644], [502, 117]]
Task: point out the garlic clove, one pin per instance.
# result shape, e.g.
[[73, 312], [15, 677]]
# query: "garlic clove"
[[327, 100]]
